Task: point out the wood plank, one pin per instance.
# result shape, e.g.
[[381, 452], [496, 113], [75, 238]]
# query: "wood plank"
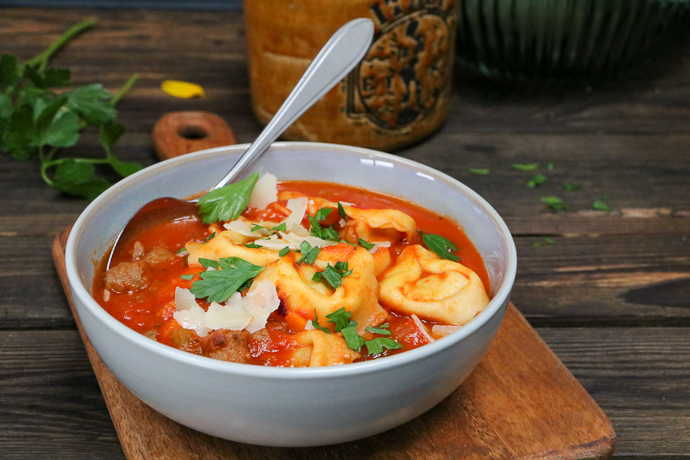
[[512, 405]]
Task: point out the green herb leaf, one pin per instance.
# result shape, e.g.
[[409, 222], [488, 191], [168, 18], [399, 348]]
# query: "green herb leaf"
[[525, 167], [354, 341], [340, 317], [209, 263], [341, 211], [76, 177], [187, 277], [571, 187], [383, 329], [555, 203], [252, 246], [285, 251], [376, 346], [309, 253], [536, 181], [480, 171], [228, 202], [323, 213], [365, 244], [92, 103], [440, 245], [601, 205], [325, 233], [234, 275], [315, 323], [545, 241], [333, 275]]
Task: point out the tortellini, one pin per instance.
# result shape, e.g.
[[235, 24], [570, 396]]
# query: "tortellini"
[[324, 349], [225, 244], [437, 289], [303, 296]]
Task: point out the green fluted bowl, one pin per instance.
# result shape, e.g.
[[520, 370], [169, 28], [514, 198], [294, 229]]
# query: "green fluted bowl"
[[566, 40]]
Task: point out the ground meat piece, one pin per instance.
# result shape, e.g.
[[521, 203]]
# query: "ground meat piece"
[[159, 255], [227, 345], [128, 276]]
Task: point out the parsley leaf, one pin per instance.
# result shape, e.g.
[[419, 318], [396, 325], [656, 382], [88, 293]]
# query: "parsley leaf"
[[601, 205], [340, 317], [187, 277], [440, 245], [525, 167], [283, 252], [235, 274], [536, 181], [323, 213], [555, 203], [341, 211], [365, 244], [325, 233], [228, 202], [383, 329], [480, 171], [353, 340], [315, 323], [377, 345], [333, 274], [309, 253]]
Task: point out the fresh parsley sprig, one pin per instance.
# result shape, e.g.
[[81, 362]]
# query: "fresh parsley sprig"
[[228, 202], [235, 274], [343, 323], [40, 117]]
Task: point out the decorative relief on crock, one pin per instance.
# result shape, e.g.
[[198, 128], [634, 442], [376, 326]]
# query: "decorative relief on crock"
[[408, 66]]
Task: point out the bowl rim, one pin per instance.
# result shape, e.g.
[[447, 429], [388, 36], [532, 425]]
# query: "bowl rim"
[[500, 297]]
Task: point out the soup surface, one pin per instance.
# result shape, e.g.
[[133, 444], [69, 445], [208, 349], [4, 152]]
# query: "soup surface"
[[309, 274]]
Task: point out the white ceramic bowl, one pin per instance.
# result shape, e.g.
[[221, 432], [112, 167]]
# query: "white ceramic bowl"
[[279, 406]]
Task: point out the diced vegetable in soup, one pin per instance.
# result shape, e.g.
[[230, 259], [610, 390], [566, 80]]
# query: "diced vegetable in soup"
[[308, 274]]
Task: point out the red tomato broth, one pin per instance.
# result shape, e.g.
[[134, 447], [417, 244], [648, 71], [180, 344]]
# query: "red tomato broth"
[[150, 311]]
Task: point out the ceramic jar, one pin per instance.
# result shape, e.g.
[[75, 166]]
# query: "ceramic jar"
[[399, 93]]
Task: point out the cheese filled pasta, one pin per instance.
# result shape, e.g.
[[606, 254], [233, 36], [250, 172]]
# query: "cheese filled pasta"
[[304, 274]]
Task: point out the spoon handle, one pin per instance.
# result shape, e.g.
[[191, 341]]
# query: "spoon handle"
[[340, 54]]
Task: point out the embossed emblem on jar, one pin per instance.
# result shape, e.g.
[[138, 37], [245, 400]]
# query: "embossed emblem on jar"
[[405, 72]]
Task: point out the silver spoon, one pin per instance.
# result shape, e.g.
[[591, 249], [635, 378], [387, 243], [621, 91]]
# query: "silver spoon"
[[343, 51]]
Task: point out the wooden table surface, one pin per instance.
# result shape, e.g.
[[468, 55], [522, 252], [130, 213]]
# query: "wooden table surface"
[[611, 296]]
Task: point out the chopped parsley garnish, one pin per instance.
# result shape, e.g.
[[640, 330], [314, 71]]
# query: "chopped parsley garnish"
[[571, 187], [348, 328], [525, 166], [601, 205], [365, 244], [545, 241], [210, 237], [333, 275], [235, 274], [325, 233], [282, 227], [309, 253], [227, 202], [252, 245], [341, 211], [555, 203], [480, 171], [315, 323], [440, 245], [209, 263], [323, 213], [187, 277], [536, 181], [285, 251]]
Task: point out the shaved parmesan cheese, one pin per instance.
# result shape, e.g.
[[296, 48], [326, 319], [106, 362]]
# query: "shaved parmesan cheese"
[[442, 331], [242, 227], [265, 191], [250, 312], [297, 207], [422, 328]]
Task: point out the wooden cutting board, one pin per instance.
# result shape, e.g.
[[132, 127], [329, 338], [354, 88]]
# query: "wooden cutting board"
[[520, 402]]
